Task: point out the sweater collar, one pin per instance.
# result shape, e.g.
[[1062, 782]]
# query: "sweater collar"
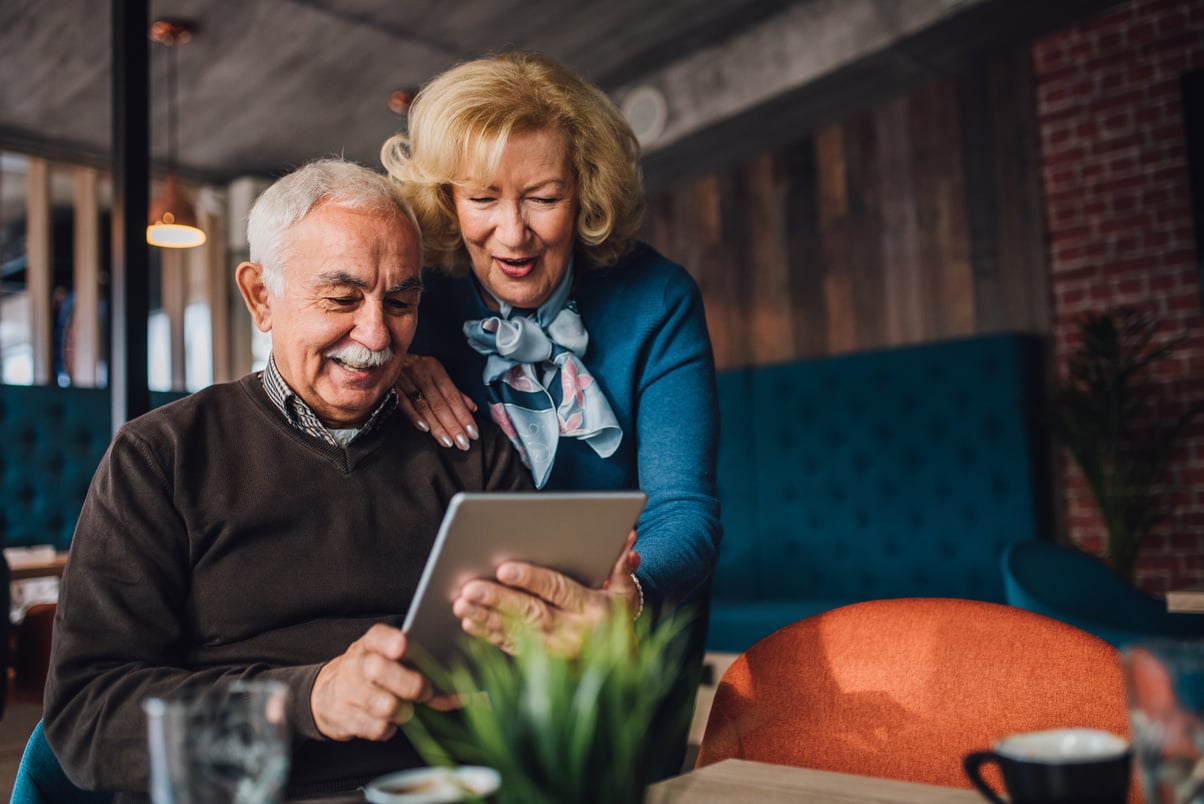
[[301, 416]]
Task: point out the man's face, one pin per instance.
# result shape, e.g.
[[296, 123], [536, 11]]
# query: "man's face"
[[349, 309]]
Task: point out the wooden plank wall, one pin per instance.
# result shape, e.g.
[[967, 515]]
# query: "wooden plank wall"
[[914, 221]]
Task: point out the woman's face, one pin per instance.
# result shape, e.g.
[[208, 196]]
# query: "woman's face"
[[520, 227]]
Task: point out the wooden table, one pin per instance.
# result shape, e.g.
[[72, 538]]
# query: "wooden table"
[[1189, 600], [737, 780], [21, 569]]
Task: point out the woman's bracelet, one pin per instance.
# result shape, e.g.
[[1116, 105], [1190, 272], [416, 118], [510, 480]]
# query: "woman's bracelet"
[[639, 589]]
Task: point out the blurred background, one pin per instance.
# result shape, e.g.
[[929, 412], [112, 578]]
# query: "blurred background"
[[838, 175]]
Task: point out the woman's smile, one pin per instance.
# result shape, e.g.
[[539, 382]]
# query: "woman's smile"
[[515, 268]]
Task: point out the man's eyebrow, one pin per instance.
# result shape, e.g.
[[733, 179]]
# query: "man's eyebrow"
[[344, 278], [406, 286], [341, 278]]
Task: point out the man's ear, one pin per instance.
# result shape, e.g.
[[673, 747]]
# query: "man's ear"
[[249, 276]]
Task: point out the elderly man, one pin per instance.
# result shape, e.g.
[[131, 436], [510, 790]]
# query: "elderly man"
[[274, 527]]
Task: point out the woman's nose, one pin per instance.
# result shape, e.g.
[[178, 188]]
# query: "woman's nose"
[[512, 226]]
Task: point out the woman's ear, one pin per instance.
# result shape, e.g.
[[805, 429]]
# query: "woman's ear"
[[249, 277]]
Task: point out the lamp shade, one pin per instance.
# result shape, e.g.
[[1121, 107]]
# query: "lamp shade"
[[173, 219]]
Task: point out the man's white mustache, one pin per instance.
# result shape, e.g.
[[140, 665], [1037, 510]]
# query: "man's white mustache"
[[357, 356]]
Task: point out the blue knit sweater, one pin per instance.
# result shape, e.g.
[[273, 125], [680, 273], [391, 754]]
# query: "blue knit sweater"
[[650, 352]]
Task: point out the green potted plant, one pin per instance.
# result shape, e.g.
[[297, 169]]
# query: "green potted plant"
[[591, 728], [1105, 414]]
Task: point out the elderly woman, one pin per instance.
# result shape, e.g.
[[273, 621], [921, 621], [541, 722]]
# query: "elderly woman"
[[589, 349]]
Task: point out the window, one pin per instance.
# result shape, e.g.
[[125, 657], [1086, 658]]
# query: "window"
[[55, 235], [16, 344]]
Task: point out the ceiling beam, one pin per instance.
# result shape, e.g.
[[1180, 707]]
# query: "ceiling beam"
[[821, 61]]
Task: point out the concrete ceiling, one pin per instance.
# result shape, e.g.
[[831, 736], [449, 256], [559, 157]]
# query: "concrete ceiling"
[[267, 84]]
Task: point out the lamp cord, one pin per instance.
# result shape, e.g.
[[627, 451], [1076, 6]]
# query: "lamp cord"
[[172, 57]]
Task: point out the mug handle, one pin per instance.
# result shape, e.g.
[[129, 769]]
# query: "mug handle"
[[972, 762]]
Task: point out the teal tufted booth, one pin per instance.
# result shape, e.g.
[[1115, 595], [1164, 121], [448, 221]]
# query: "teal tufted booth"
[[904, 472], [53, 440]]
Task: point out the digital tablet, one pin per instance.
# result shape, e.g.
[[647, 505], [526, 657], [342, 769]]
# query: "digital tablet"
[[577, 533]]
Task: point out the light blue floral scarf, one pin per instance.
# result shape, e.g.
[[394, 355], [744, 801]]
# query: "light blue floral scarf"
[[526, 352]]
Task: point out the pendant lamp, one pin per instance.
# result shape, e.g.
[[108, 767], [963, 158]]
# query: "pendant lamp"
[[173, 222]]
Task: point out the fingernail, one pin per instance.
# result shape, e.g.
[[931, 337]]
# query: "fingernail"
[[473, 433], [462, 442], [445, 441], [507, 573], [423, 426]]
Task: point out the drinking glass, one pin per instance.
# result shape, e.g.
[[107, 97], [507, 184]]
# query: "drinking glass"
[[1165, 681], [225, 743]]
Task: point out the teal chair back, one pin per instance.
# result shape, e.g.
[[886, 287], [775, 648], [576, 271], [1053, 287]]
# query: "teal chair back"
[[41, 780], [1076, 588]]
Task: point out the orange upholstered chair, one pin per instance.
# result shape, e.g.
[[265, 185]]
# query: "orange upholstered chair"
[[904, 688]]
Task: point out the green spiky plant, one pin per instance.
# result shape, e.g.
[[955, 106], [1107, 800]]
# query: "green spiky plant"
[[1103, 413], [594, 728]]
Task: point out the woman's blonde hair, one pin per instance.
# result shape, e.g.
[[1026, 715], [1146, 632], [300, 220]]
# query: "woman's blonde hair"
[[470, 111]]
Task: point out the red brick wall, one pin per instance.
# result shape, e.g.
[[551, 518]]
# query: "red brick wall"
[[1120, 230]]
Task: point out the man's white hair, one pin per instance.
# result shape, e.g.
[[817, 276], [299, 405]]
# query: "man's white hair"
[[336, 182]]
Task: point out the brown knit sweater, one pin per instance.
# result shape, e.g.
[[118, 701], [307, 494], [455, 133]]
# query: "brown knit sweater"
[[217, 541]]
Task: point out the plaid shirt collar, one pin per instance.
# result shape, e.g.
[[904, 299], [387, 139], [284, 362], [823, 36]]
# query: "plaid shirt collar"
[[299, 414]]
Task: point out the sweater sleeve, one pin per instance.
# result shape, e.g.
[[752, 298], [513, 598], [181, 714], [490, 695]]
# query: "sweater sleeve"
[[677, 432], [119, 632]]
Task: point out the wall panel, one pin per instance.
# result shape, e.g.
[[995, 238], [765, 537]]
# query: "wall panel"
[[918, 220], [903, 273], [805, 264]]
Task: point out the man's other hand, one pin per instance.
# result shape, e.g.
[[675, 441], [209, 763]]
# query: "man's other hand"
[[367, 692]]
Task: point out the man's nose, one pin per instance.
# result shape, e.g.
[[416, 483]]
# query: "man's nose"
[[371, 328]]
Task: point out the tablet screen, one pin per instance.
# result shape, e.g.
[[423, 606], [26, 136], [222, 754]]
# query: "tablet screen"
[[577, 533]]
